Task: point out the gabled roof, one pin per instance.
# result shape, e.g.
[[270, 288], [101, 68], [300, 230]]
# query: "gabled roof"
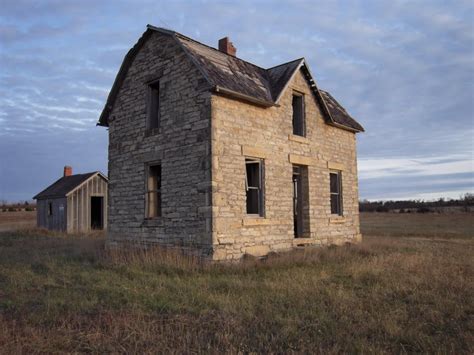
[[66, 184], [238, 78]]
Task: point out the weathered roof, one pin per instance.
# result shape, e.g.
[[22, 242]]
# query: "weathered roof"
[[64, 185], [339, 113], [233, 76]]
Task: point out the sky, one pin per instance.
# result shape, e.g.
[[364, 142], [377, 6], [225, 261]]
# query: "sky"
[[403, 69]]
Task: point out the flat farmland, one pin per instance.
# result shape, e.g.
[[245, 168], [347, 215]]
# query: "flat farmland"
[[17, 220], [406, 288]]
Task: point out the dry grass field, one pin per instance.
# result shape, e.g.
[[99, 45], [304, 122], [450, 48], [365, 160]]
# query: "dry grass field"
[[407, 288], [17, 220]]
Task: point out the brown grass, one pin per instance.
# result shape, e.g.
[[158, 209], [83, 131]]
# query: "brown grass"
[[390, 294], [17, 220]]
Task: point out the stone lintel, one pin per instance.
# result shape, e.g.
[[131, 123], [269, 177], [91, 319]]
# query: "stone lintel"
[[299, 159], [335, 166], [253, 152]]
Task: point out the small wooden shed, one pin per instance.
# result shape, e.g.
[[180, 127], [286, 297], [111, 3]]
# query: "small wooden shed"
[[74, 203]]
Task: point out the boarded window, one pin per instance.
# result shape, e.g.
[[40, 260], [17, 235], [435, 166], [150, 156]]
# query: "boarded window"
[[50, 208], [336, 193], [298, 115], [153, 105], [254, 186], [153, 194]]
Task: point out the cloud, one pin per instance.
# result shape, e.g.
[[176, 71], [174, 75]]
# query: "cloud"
[[414, 167], [404, 69]]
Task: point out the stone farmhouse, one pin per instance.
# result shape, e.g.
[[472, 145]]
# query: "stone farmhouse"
[[222, 158]]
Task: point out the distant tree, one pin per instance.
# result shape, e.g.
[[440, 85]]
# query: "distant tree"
[[423, 210]]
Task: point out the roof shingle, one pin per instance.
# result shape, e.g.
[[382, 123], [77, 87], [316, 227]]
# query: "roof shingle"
[[231, 75], [62, 186]]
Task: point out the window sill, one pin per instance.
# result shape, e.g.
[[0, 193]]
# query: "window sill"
[[255, 221], [152, 131], [302, 241], [299, 139], [335, 219]]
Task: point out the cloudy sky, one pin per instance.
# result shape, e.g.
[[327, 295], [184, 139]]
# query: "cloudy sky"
[[404, 69]]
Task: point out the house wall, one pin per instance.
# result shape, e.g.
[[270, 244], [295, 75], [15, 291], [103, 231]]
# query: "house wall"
[[79, 204], [55, 221], [181, 145], [240, 130]]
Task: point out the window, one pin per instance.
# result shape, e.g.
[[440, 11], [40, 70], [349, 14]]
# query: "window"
[[50, 208], [153, 194], [298, 115], [336, 193], [254, 186], [153, 120]]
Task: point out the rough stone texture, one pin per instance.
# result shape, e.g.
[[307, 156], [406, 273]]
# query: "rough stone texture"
[[202, 144], [241, 130], [182, 145]]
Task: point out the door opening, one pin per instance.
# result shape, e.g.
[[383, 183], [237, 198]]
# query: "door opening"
[[297, 202], [301, 208], [97, 212]]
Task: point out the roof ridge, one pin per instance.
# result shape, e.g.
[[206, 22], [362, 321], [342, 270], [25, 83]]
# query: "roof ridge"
[[202, 44], [286, 63]]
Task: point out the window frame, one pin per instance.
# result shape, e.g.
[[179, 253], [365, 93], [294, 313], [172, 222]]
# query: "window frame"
[[157, 191], [153, 105], [260, 188], [301, 96], [339, 193]]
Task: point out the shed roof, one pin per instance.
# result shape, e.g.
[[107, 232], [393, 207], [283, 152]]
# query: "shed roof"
[[236, 77], [66, 184]]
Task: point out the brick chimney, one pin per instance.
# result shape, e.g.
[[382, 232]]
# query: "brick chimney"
[[226, 46], [67, 171]]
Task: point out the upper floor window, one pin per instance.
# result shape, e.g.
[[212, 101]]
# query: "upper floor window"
[[298, 115], [153, 194], [254, 186], [50, 208], [153, 117], [336, 192]]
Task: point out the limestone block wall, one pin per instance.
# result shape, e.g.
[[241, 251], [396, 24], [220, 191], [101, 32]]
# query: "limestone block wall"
[[181, 145], [241, 130]]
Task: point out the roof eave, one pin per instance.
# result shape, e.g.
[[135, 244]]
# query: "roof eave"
[[347, 128], [235, 94], [129, 57]]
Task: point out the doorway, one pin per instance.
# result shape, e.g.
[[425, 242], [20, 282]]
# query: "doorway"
[[97, 212], [300, 201]]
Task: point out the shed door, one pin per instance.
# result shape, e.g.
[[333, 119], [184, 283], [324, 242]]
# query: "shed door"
[[97, 212]]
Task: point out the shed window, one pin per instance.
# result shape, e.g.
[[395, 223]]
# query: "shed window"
[[153, 194], [153, 119], [298, 115], [254, 186], [50, 208], [336, 192]]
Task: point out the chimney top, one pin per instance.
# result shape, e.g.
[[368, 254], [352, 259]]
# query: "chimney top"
[[226, 46], [67, 170]]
